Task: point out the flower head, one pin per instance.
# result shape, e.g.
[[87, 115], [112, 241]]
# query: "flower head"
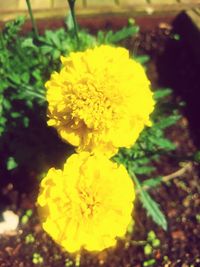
[[100, 100], [88, 204]]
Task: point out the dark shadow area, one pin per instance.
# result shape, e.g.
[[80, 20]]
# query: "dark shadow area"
[[35, 148], [179, 68]]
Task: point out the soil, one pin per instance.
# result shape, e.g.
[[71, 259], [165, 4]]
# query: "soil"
[[179, 199]]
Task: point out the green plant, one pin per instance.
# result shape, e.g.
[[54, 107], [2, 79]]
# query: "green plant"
[[25, 218], [29, 239], [111, 37], [152, 243], [37, 258], [152, 239], [68, 263], [149, 262], [26, 63], [151, 145], [148, 249]]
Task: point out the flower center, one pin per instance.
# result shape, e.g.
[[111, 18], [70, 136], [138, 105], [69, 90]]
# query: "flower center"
[[88, 204], [89, 105]]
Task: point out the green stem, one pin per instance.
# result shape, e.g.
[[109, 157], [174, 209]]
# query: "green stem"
[[138, 242], [2, 40], [32, 19], [72, 9], [30, 90], [36, 95], [4, 47], [135, 179]]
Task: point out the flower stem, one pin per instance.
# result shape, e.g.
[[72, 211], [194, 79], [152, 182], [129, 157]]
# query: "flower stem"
[[35, 29], [72, 9], [135, 179]]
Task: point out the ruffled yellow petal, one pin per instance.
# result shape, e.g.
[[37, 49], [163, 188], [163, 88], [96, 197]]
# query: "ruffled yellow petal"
[[88, 204], [100, 100]]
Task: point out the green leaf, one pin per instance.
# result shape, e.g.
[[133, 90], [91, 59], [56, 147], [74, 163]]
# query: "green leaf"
[[152, 182], [2, 129], [53, 38], [142, 59], [122, 34], [14, 77], [36, 74], [3, 85], [108, 37], [153, 209], [100, 37], [69, 22], [26, 122], [28, 42], [11, 164], [56, 40], [15, 115], [56, 54], [197, 156], [2, 120], [149, 262], [144, 169], [25, 77], [46, 49], [162, 142], [176, 37], [149, 204], [24, 219], [161, 93], [7, 104], [168, 121], [13, 27]]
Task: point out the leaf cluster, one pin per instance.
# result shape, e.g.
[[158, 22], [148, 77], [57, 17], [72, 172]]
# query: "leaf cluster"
[[151, 144], [26, 63], [111, 37]]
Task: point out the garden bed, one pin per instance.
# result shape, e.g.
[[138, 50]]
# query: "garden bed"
[[178, 197]]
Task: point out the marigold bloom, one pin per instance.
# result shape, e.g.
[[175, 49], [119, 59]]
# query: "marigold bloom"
[[88, 204], [100, 100]]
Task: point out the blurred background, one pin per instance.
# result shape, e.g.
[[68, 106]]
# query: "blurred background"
[[99, 8]]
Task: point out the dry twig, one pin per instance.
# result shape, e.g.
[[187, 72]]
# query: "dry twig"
[[178, 173]]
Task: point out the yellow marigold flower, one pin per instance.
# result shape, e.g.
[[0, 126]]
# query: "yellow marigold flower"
[[100, 100], [88, 204]]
